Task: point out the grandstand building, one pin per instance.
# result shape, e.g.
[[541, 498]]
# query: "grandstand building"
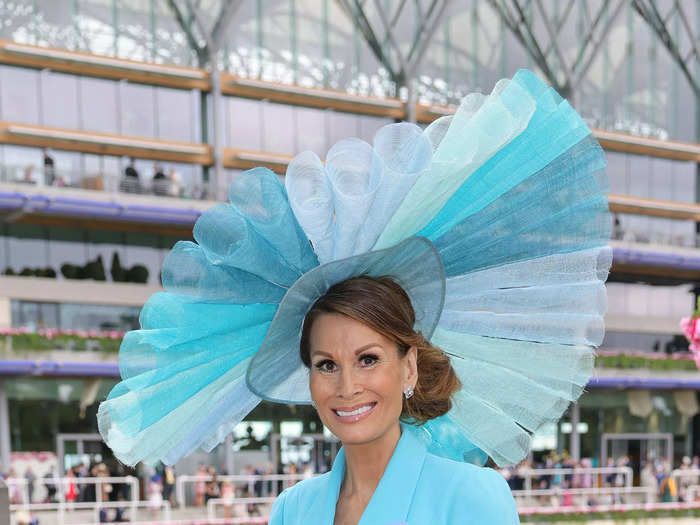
[[119, 126]]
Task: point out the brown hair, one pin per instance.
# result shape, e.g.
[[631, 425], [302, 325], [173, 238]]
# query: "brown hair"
[[381, 304]]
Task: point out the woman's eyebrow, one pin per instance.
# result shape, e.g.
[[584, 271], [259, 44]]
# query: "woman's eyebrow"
[[361, 349]]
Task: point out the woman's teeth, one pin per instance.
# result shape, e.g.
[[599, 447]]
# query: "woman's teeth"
[[355, 412]]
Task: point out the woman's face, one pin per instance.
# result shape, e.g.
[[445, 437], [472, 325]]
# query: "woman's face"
[[357, 378]]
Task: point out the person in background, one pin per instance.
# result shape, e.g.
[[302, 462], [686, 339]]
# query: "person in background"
[[31, 478], [685, 481], [648, 480], [169, 484], [51, 488], [668, 491], [158, 172], [200, 487], [155, 494], [175, 188], [29, 175], [49, 169], [160, 183], [227, 494], [212, 489], [71, 490], [130, 170], [130, 183]]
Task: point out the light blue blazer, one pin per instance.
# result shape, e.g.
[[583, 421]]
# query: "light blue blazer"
[[417, 488]]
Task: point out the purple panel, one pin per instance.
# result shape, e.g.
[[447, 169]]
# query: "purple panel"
[[686, 262], [649, 383], [12, 200], [55, 368]]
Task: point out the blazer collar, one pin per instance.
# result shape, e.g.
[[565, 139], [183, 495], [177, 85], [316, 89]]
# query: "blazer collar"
[[393, 496]]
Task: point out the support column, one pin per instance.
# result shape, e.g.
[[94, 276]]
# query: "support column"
[[4, 430], [5, 313], [228, 454], [575, 444]]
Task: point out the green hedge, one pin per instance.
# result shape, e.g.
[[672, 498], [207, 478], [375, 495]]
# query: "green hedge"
[[615, 516], [28, 342], [633, 361]]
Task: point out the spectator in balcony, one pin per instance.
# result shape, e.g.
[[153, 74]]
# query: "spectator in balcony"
[[618, 231], [131, 183], [175, 189], [130, 170], [49, 169], [161, 184], [28, 177]]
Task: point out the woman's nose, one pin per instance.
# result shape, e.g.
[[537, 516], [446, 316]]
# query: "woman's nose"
[[349, 385]]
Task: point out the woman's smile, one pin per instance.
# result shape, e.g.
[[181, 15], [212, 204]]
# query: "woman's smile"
[[354, 414]]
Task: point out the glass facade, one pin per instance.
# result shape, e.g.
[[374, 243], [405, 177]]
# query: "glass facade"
[[632, 84], [70, 316]]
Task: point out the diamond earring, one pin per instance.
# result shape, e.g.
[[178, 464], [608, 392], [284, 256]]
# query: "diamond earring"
[[408, 392]]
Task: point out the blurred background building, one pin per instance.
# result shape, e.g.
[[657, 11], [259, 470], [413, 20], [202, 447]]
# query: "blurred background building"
[[121, 120]]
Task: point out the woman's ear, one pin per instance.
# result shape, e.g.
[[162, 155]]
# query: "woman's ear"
[[411, 368]]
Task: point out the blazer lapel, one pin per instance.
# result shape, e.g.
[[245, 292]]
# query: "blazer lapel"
[[322, 510], [393, 496]]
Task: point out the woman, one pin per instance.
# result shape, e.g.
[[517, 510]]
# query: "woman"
[[492, 224], [368, 369]]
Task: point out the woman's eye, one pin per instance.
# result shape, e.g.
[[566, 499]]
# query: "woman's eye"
[[368, 360], [326, 366]]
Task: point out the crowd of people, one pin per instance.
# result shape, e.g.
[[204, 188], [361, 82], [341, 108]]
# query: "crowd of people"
[[163, 181], [169, 185], [655, 475]]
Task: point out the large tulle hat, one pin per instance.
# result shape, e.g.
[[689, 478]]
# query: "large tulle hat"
[[495, 222]]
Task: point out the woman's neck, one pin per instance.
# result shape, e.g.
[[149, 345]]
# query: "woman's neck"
[[365, 464]]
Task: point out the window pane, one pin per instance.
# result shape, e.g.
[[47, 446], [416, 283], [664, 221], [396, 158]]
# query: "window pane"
[[98, 99], [19, 94], [137, 110], [59, 100]]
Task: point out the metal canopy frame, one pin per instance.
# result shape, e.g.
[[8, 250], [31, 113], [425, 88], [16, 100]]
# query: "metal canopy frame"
[[546, 52], [207, 45], [384, 43]]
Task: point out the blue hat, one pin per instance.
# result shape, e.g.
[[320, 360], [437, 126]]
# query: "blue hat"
[[494, 220]]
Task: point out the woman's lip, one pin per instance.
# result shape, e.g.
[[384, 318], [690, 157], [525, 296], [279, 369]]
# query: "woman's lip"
[[356, 417]]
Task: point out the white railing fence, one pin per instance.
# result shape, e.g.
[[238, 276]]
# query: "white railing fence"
[[272, 484], [529, 474]]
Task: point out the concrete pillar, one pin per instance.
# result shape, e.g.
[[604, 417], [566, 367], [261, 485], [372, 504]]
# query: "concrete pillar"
[[228, 454], [4, 430], [575, 443], [5, 313]]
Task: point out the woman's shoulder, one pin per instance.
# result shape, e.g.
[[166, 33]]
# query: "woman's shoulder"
[[296, 497], [469, 490]]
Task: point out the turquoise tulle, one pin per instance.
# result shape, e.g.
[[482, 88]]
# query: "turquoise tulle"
[[494, 220]]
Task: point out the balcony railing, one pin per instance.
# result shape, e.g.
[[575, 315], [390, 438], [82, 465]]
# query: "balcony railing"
[[167, 185]]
